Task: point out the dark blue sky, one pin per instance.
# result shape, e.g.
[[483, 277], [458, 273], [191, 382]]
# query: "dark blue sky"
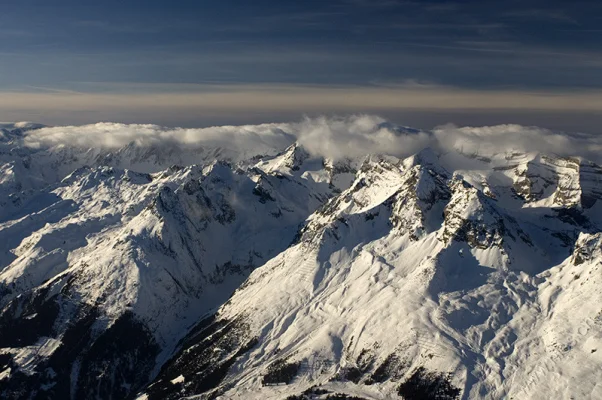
[[131, 47]]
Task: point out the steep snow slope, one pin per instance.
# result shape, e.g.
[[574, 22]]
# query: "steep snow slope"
[[112, 252], [414, 283]]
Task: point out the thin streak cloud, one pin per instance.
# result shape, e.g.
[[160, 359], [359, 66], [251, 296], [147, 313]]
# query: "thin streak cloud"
[[310, 98]]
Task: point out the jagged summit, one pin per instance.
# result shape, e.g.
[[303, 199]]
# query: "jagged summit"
[[292, 158], [154, 273]]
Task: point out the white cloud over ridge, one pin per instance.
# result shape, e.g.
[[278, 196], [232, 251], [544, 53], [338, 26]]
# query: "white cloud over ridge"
[[358, 135], [109, 135], [511, 137], [333, 137]]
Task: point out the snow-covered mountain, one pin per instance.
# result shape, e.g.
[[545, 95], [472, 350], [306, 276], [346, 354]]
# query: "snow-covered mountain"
[[289, 275]]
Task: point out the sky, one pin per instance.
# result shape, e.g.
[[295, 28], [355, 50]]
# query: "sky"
[[201, 63]]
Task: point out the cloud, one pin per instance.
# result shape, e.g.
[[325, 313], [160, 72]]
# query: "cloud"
[[358, 135], [332, 137], [112, 27], [253, 139], [20, 125], [542, 14], [505, 138]]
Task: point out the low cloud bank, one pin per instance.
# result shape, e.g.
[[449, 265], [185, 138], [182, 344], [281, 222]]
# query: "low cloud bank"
[[108, 135], [358, 135], [506, 138], [333, 137]]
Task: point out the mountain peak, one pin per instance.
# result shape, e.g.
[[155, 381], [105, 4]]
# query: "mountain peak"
[[287, 162]]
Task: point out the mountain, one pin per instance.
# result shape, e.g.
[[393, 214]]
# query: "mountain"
[[287, 275]]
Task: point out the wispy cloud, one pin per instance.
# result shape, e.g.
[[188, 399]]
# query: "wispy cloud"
[[382, 3], [49, 90], [443, 7], [453, 26], [576, 58], [124, 27], [542, 14]]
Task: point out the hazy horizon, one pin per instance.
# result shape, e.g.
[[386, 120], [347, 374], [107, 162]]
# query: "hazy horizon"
[[200, 64]]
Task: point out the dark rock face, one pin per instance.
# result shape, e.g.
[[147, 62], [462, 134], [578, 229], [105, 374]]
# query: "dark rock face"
[[532, 180], [110, 364], [392, 368], [263, 194], [317, 393], [368, 369], [586, 248], [27, 318], [574, 182], [203, 360], [123, 356], [359, 369], [425, 385], [281, 371], [573, 216], [423, 189], [294, 156], [488, 226]]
